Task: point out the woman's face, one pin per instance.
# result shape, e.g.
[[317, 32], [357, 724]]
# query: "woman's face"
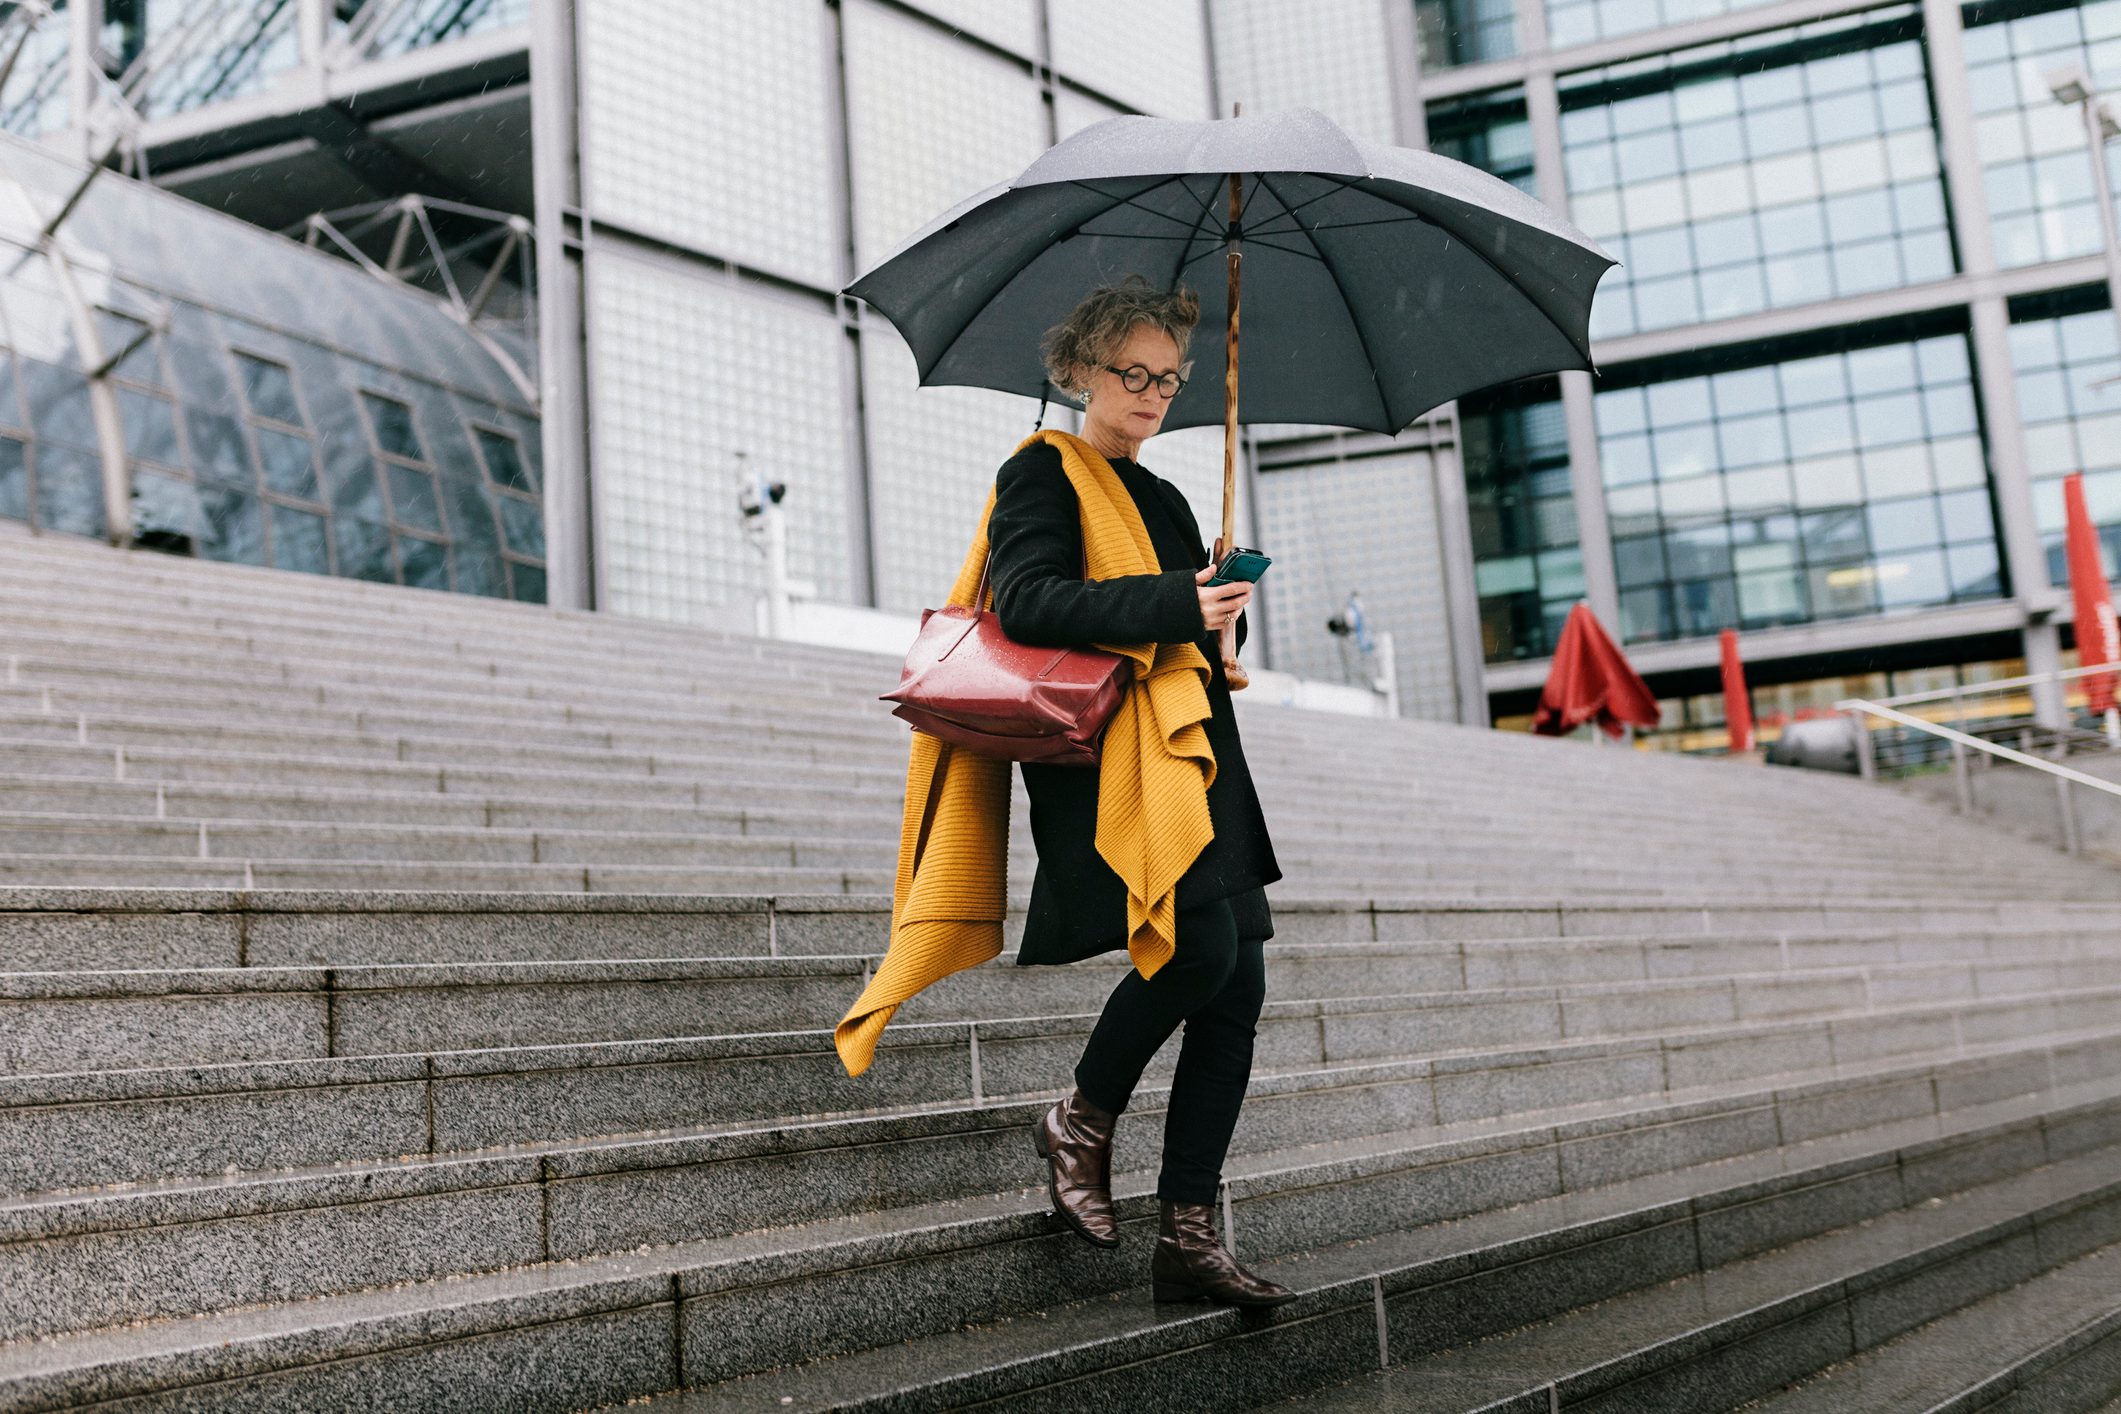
[[1125, 416]]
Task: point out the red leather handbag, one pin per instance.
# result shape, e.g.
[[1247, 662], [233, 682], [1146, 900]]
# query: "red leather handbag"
[[967, 682]]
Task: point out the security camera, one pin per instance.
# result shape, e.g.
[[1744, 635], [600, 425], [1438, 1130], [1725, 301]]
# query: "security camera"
[[748, 498]]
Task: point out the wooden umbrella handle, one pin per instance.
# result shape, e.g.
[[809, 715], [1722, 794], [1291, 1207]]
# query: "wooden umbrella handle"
[[1232, 669]]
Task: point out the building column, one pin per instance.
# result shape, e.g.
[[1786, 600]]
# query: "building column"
[[854, 439], [312, 29], [571, 570], [1601, 583], [1454, 527], [313, 43], [1994, 377], [84, 21]]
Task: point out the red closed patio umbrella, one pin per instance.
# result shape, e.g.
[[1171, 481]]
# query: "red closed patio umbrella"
[[1737, 707], [2098, 642], [1591, 681]]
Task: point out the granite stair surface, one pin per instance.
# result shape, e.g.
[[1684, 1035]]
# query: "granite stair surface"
[[415, 1002]]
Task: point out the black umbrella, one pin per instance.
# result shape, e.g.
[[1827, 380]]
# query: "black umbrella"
[[1386, 281]]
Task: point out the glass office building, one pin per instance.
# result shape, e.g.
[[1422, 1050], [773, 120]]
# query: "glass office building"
[[1859, 334], [177, 379]]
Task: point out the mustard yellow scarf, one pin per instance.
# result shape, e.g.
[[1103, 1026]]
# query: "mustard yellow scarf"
[[1154, 770]]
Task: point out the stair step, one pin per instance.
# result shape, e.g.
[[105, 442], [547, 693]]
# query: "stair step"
[[2051, 1343], [1710, 1285], [1351, 994], [623, 1323], [70, 1130], [263, 1234]]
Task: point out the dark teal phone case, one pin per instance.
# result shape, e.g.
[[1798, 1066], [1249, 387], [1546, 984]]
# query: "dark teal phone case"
[[1242, 564]]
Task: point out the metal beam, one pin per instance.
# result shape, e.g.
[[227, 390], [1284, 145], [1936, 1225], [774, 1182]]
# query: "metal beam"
[[374, 161], [1825, 636], [859, 463], [571, 569]]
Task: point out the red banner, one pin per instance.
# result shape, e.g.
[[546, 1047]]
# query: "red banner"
[[1737, 707], [2098, 641]]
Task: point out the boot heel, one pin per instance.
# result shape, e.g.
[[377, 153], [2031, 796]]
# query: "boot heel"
[[1175, 1291]]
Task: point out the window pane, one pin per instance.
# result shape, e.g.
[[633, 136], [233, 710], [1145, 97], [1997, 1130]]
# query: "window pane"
[[14, 479], [298, 541], [268, 389], [364, 550], [426, 562], [394, 430], [289, 465], [235, 526], [503, 463], [412, 498]]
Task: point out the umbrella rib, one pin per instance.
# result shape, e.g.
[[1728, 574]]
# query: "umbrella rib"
[[1486, 260], [1133, 235], [1248, 240], [1130, 201], [966, 323], [1191, 258], [1339, 186], [1353, 322], [1246, 205], [1407, 220], [1292, 250], [1207, 213], [1207, 208]]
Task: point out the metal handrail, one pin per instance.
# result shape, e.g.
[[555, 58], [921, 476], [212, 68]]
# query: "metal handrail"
[[1938, 694], [2063, 776]]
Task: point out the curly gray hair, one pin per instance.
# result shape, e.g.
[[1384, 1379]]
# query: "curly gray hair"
[[1094, 330]]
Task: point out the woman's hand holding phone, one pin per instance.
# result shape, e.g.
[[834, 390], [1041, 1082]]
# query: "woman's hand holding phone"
[[1220, 604]]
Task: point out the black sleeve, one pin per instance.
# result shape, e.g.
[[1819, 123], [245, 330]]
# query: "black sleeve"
[[1039, 592], [1200, 550]]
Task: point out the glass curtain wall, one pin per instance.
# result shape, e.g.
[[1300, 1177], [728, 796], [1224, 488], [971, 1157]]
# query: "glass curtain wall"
[[35, 99], [1776, 169], [1527, 562], [211, 51], [277, 406], [1582, 21], [1455, 32], [1490, 131], [2067, 360], [1835, 484], [2035, 162]]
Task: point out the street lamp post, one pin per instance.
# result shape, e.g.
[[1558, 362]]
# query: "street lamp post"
[[2072, 86]]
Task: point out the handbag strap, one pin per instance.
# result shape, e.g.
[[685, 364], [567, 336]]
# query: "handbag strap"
[[979, 595], [944, 748]]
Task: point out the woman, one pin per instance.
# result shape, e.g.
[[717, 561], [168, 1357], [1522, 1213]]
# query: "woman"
[[1121, 351]]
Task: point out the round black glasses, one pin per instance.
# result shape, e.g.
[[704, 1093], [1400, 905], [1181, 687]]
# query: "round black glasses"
[[1136, 378]]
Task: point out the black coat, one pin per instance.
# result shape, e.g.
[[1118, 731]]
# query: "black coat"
[[1078, 904]]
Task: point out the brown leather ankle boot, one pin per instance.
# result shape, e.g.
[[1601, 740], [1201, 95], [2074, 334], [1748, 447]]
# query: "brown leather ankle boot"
[[1075, 1139], [1191, 1263]]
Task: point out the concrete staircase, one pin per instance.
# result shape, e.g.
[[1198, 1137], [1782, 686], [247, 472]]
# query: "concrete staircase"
[[415, 1002]]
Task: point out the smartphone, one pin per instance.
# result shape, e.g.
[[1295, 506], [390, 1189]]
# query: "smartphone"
[[1241, 563]]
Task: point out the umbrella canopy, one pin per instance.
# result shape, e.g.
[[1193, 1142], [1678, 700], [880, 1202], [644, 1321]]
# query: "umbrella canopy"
[[2096, 636], [1380, 282], [1737, 707], [1591, 681]]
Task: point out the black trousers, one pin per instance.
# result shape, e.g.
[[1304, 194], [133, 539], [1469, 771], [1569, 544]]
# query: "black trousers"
[[1215, 984]]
